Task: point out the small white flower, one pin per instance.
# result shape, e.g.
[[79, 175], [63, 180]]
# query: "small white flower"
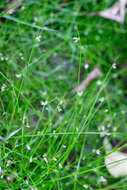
[[44, 155], [38, 38], [18, 75], [104, 133], [31, 159], [59, 108], [46, 160], [9, 163], [11, 11], [54, 159], [8, 178], [44, 103], [22, 7], [28, 147], [35, 19], [106, 110], [85, 186], [114, 66], [76, 39], [22, 58], [98, 152], [44, 93], [27, 125], [63, 146], [60, 165], [80, 93], [99, 82], [101, 99], [61, 102], [101, 128], [109, 125], [20, 54], [3, 87], [115, 129], [86, 66], [2, 58], [102, 179]]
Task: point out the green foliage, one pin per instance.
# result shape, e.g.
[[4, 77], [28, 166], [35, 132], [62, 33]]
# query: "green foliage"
[[60, 145]]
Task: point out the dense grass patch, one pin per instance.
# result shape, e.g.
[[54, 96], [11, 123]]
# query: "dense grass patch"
[[59, 144]]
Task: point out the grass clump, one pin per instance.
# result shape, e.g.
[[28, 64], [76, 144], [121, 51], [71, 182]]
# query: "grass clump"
[[59, 142]]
